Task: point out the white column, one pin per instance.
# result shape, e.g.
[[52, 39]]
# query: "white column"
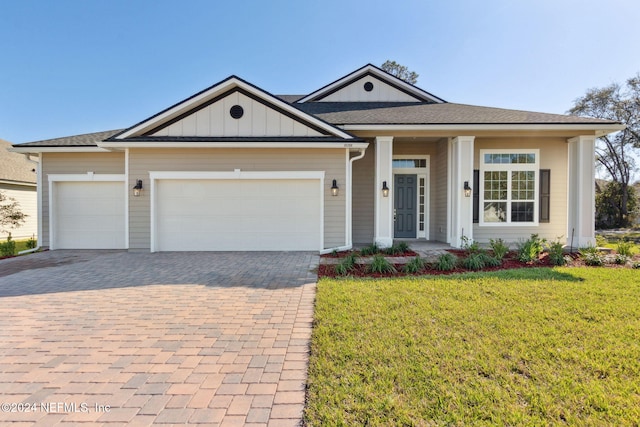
[[461, 167], [384, 206], [581, 191]]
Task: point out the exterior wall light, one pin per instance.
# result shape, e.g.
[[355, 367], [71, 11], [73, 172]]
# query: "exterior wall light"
[[138, 188], [334, 188], [385, 189], [467, 189]]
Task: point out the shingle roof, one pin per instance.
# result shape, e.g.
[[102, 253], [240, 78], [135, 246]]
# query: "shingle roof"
[[343, 113], [15, 166], [84, 140]]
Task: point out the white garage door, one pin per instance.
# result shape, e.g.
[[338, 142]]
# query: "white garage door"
[[237, 214], [88, 215]]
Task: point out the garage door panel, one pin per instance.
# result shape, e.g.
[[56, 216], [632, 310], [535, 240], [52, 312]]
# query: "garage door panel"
[[237, 215], [88, 215]]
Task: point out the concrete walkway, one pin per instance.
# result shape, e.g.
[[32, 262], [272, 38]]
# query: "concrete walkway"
[[114, 338]]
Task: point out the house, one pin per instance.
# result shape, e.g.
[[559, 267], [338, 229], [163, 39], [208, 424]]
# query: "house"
[[365, 158], [18, 182]]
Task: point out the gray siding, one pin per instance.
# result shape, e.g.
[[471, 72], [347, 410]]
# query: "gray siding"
[[363, 203], [142, 161], [439, 170], [553, 156], [74, 163]]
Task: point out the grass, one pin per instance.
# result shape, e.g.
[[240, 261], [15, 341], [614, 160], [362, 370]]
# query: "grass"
[[520, 347]]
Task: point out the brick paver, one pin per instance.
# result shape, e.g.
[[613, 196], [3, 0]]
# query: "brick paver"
[[112, 337]]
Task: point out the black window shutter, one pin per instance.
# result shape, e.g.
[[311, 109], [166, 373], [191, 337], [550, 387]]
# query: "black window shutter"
[[476, 196], [545, 194]]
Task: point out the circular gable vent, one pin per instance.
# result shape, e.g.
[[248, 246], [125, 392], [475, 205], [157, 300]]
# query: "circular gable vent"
[[368, 86], [236, 111]]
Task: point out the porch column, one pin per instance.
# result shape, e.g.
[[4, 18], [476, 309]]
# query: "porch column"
[[461, 171], [384, 206], [581, 191]]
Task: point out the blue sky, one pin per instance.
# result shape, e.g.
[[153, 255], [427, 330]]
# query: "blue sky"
[[78, 66]]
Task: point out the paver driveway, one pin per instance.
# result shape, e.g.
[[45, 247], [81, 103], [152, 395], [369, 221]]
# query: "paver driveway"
[[115, 338]]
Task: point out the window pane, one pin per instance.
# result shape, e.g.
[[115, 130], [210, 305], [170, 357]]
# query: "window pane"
[[522, 212], [495, 212]]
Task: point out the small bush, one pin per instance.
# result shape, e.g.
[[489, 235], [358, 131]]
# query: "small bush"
[[636, 264], [31, 243], [625, 248], [346, 265], [621, 259], [601, 241], [393, 250], [403, 247], [372, 249], [8, 248], [498, 247], [491, 261], [530, 250], [469, 245], [414, 266], [446, 262], [379, 264], [556, 253], [475, 261], [591, 256]]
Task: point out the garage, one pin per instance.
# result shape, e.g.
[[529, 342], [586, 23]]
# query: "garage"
[[88, 215], [238, 212]]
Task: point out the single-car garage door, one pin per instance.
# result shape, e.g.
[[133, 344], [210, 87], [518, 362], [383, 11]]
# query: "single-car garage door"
[[237, 214], [88, 215]]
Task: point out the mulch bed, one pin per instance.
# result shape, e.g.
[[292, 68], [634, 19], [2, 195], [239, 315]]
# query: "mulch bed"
[[510, 261]]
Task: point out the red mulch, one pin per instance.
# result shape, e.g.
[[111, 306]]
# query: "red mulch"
[[510, 261]]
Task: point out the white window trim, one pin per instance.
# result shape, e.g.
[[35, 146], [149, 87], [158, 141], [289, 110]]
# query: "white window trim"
[[154, 176], [509, 167], [420, 173], [88, 177]]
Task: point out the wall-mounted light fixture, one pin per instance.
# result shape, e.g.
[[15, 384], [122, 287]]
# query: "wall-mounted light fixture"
[[467, 189], [334, 188], [385, 189], [138, 188]]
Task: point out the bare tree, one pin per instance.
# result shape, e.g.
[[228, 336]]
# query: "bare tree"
[[615, 153]]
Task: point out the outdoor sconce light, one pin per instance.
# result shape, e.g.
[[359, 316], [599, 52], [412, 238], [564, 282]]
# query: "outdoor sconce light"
[[385, 189], [334, 188], [138, 188], [467, 189]]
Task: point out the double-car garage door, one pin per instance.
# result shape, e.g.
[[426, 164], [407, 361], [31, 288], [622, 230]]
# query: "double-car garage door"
[[260, 213], [237, 214]]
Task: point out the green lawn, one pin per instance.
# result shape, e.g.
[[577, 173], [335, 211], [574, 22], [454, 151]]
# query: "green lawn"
[[521, 347]]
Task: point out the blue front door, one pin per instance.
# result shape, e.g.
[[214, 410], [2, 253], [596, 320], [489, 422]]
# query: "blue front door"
[[405, 187]]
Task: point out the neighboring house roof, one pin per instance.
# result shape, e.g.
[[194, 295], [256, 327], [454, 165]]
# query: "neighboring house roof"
[[341, 113], [15, 167], [84, 140]]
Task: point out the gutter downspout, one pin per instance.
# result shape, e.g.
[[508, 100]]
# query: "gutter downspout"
[[349, 204]]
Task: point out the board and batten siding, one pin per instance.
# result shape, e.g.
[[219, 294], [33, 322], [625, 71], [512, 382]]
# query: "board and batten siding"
[[142, 161], [26, 196], [258, 120], [74, 163], [553, 156], [439, 171], [381, 92]]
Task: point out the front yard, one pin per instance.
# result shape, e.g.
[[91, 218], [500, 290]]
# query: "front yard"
[[536, 346]]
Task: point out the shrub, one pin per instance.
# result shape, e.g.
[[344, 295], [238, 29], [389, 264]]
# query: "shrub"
[[621, 259], [414, 266], [491, 261], [31, 243], [469, 245], [346, 265], [379, 264], [530, 250], [636, 264], [556, 253], [446, 262], [475, 261], [591, 256], [404, 247], [393, 250], [498, 247], [601, 241], [372, 249], [625, 248], [8, 248]]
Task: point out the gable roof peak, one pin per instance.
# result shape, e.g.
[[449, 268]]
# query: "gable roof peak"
[[409, 92]]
